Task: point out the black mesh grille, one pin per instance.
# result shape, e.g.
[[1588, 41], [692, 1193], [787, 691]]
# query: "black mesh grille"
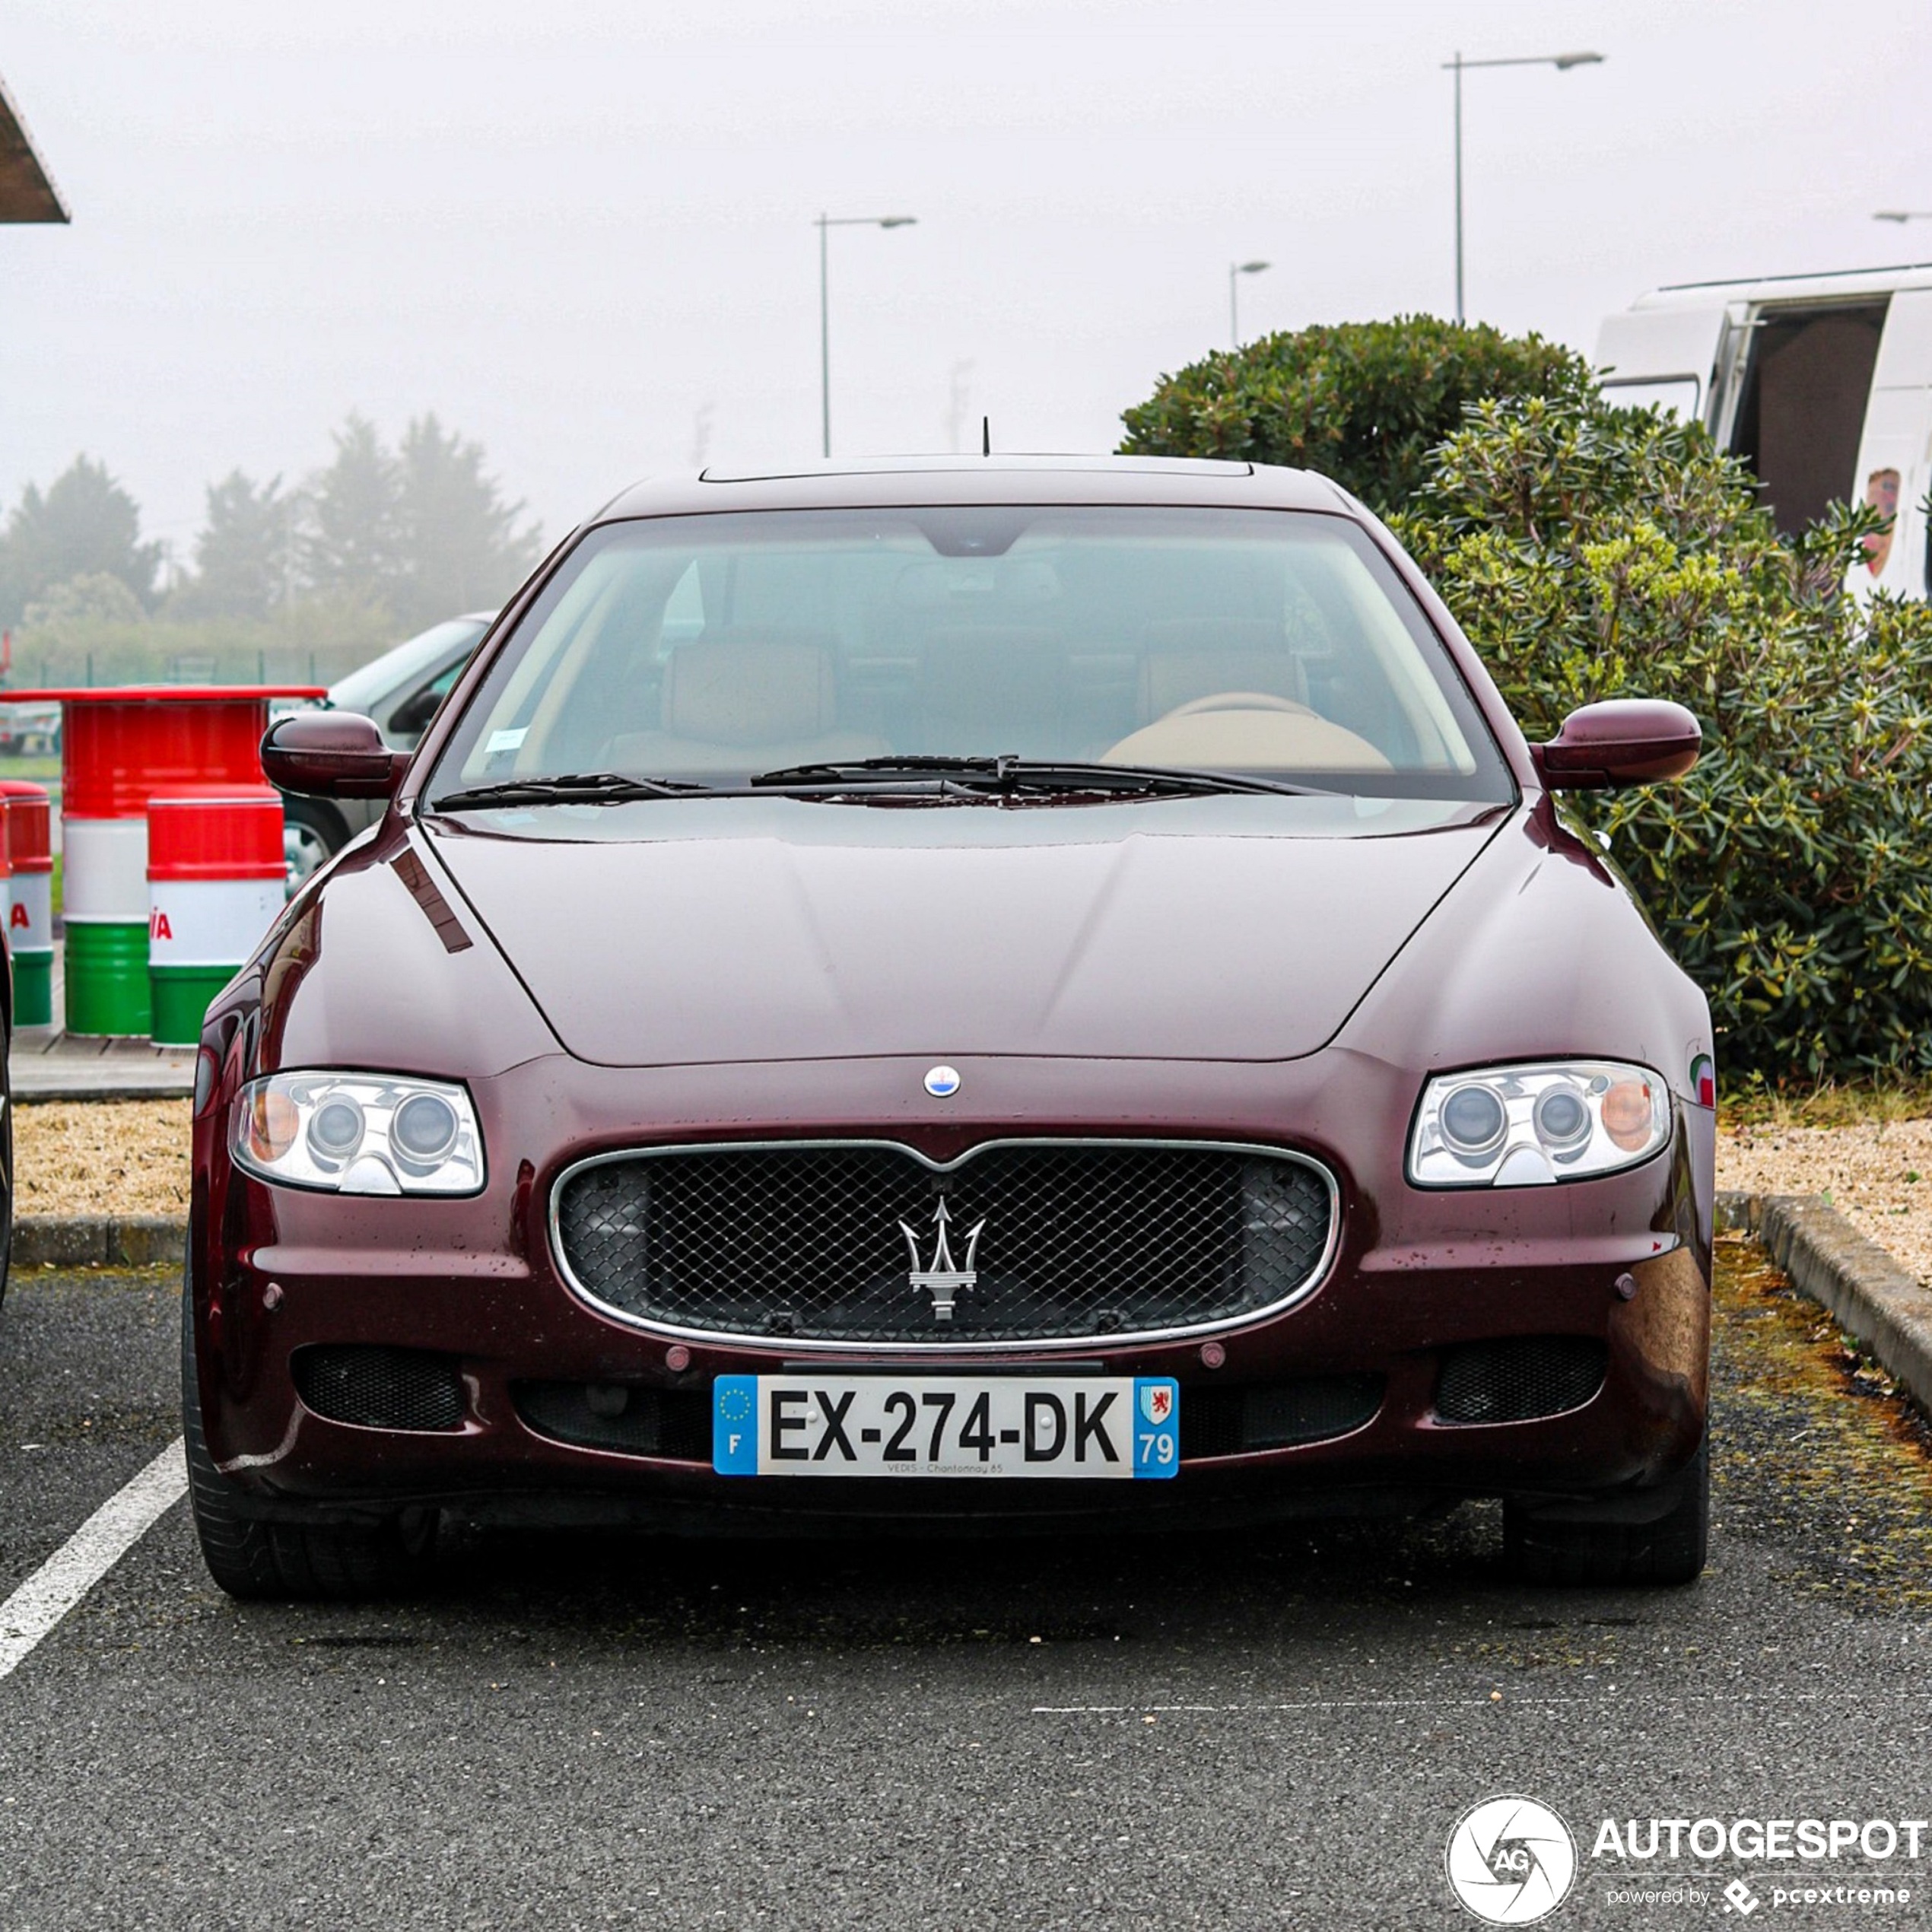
[[380, 1388], [1062, 1241], [1517, 1380], [637, 1421], [1275, 1415]]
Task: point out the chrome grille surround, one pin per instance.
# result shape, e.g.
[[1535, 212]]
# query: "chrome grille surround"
[[918, 1332]]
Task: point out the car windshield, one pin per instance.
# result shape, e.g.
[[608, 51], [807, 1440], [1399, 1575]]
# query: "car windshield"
[[369, 684], [715, 648]]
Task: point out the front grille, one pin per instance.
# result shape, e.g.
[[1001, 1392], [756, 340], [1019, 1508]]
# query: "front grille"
[[1275, 1415], [1519, 1380], [842, 1243], [378, 1388], [633, 1421]]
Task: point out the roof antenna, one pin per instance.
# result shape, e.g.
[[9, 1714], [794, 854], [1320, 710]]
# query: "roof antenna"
[[986, 435]]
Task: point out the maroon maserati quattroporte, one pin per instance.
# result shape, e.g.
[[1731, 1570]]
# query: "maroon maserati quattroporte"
[[956, 994]]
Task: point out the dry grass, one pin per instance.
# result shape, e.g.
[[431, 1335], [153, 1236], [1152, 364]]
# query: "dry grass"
[[101, 1157], [1832, 1103]]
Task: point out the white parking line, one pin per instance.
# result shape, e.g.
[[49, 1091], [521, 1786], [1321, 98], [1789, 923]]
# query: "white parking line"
[[89, 1554], [1479, 1701]]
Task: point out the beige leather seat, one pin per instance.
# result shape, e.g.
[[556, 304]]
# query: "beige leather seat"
[[745, 704]]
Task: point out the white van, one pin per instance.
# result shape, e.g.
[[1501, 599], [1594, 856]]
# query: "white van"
[[1822, 383]]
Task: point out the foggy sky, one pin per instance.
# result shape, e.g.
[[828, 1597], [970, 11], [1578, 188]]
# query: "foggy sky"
[[582, 233]]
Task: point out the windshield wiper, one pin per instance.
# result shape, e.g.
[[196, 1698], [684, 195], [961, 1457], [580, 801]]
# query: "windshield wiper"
[[570, 788], [1007, 774]]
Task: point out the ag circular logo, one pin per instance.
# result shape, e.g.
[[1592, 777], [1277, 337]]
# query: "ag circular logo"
[[942, 1082], [1511, 1860]]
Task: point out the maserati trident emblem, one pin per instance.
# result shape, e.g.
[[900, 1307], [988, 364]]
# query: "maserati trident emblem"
[[942, 1082], [945, 1280]]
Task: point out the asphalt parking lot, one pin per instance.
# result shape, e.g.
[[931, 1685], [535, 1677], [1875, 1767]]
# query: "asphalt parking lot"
[[1266, 1731]]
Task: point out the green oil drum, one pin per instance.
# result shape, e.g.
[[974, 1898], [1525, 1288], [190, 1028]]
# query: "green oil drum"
[[34, 989], [181, 997], [107, 988]]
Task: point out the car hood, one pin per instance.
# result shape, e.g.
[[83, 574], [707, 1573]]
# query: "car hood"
[[676, 932]]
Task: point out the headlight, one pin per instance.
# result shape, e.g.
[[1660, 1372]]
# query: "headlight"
[[358, 1133], [1519, 1126]]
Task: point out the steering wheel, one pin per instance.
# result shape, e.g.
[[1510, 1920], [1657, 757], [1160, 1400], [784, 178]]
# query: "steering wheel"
[[1238, 701]]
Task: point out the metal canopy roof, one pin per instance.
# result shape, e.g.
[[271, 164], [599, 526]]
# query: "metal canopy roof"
[[28, 192]]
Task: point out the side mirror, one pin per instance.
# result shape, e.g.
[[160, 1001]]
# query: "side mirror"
[[331, 755], [1624, 741]]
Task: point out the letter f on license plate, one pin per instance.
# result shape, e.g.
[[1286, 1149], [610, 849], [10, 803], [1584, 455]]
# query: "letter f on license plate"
[[1090, 1427]]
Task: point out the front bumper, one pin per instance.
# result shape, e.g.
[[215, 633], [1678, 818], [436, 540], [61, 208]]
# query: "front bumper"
[[1417, 1275]]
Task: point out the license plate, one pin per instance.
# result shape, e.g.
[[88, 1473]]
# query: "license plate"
[[1091, 1426]]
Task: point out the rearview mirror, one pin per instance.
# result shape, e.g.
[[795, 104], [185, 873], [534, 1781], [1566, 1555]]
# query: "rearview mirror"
[[1624, 741], [331, 755]]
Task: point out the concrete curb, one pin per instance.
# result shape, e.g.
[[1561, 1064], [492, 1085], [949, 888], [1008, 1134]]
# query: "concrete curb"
[[1876, 1302], [122, 1240]]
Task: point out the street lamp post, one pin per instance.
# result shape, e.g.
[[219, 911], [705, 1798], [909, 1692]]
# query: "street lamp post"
[[1236, 270], [1561, 62], [825, 222]]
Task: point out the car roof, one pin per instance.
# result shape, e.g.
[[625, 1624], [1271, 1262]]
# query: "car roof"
[[1833, 284], [880, 483]]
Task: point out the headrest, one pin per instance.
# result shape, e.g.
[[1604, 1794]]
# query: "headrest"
[[748, 691]]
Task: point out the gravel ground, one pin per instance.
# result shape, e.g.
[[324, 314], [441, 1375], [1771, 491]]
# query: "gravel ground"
[[1878, 1175], [102, 1157]]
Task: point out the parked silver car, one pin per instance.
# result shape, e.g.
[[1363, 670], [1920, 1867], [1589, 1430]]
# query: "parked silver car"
[[400, 690]]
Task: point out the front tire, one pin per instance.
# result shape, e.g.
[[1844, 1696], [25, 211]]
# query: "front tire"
[[1609, 1553], [254, 1560]]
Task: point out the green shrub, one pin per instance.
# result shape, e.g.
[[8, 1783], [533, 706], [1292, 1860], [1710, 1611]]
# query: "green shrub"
[[1362, 402], [1594, 553]]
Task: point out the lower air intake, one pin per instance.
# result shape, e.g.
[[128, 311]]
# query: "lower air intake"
[[378, 1388], [1276, 1415], [632, 1421], [1520, 1380]]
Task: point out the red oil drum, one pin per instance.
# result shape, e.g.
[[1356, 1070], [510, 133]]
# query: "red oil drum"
[[30, 899], [216, 879], [120, 746]]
